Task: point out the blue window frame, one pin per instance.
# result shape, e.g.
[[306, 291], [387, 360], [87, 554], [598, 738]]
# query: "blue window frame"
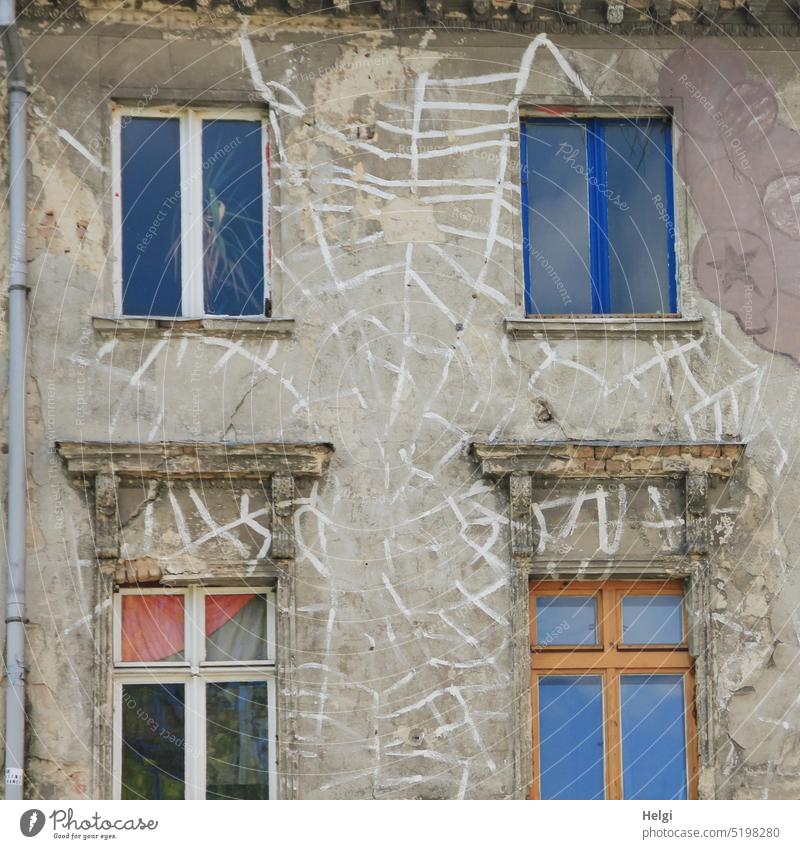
[[598, 216], [192, 223]]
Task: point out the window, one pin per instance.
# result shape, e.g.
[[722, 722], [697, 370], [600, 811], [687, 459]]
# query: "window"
[[190, 198], [598, 217], [194, 694], [612, 691]]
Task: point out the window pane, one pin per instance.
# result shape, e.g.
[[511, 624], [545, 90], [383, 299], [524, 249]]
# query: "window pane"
[[153, 760], [571, 737], [152, 628], [237, 741], [151, 216], [558, 218], [653, 737], [638, 218], [236, 627], [652, 620], [566, 620], [233, 227]]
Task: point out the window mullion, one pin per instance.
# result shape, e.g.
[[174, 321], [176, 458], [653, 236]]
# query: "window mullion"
[[192, 183], [598, 216], [613, 735]]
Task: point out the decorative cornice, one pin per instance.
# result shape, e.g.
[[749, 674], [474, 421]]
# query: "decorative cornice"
[[195, 460], [104, 466], [606, 459], [523, 463], [682, 18]]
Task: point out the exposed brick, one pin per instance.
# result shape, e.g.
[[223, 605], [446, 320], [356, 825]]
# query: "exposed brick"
[[616, 467], [709, 450], [604, 452], [650, 450], [585, 451], [730, 450], [595, 466], [670, 450]]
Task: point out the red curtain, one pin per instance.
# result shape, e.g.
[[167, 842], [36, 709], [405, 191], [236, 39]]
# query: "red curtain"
[[152, 625]]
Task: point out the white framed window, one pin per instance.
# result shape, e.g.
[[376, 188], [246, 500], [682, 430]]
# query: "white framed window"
[[194, 693], [191, 212]]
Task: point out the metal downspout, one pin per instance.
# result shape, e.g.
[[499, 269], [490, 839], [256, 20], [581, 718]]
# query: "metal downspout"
[[17, 363]]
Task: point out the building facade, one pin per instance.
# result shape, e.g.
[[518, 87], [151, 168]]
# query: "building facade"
[[412, 391]]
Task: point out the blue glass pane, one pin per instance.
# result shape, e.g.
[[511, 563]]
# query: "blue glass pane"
[[153, 753], [151, 216], [233, 222], [566, 620], [652, 620], [571, 737], [558, 218], [237, 740], [653, 737], [639, 224]]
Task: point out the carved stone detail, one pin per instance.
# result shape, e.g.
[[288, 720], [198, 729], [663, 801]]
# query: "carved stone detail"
[[523, 10], [523, 542], [282, 521], [570, 8], [106, 518], [615, 12], [696, 518], [434, 10], [482, 10]]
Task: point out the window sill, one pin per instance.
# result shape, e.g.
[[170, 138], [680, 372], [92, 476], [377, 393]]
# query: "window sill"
[[583, 327], [129, 327]]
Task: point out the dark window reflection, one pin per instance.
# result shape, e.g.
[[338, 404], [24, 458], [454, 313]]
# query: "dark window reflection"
[[233, 225], [151, 216], [153, 751], [237, 765]]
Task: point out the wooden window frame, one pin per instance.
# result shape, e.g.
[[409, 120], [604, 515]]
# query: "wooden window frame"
[[194, 672], [609, 660]]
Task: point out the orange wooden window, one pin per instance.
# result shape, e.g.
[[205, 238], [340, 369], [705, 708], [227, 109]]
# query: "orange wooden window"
[[612, 691]]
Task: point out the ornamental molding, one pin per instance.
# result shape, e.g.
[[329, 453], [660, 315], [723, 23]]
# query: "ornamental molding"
[[607, 459], [679, 18], [105, 466], [525, 463]]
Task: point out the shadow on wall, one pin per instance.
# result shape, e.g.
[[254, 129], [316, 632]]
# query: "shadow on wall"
[[742, 165]]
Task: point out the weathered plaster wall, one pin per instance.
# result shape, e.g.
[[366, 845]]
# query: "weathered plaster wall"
[[397, 249]]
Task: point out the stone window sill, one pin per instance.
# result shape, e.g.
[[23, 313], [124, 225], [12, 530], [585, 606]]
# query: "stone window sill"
[[127, 327], [584, 327]]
